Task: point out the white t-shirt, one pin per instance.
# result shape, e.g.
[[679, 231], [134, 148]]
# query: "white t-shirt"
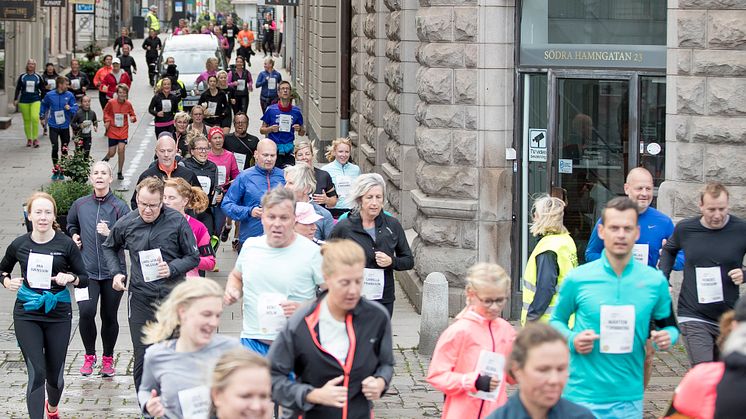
[[333, 333], [294, 271]]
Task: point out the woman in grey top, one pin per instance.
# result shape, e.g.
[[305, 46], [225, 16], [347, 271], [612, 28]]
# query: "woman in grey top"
[[176, 371]]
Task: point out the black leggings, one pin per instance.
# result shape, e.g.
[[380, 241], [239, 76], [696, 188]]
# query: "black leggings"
[[110, 299], [86, 145], [241, 105], [44, 347], [63, 134], [140, 310], [102, 100]]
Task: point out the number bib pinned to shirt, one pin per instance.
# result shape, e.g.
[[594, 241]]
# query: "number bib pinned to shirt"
[[373, 281], [119, 120], [285, 122], [271, 83], [59, 117], [195, 402], [39, 270], [640, 252], [709, 285], [617, 329]]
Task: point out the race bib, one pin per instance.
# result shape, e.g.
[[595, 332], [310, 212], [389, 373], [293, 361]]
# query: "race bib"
[[81, 294], [271, 83], [212, 108], [87, 126], [75, 84], [709, 285], [39, 271], [640, 252], [118, 120], [230, 33], [59, 117], [240, 160], [285, 122], [241, 84], [30, 86], [166, 105], [617, 329], [343, 185], [270, 314], [492, 364], [221, 175], [245, 39], [195, 402], [373, 280], [149, 260], [205, 182], [52, 84]]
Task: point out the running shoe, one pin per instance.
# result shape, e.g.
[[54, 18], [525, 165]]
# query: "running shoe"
[[225, 233], [89, 361], [60, 176], [107, 366], [54, 175], [50, 415], [28, 143], [36, 143], [120, 176], [45, 131], [105, 159], [234, 244]]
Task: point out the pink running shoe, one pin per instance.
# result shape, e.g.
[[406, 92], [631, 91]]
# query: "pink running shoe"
[[107, 366], [88, 362]]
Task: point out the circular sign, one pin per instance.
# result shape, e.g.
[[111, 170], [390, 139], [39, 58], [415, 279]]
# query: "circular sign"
[[654, 149]]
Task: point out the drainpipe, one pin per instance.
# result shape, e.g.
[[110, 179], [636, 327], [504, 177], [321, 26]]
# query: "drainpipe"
[[345, 40]]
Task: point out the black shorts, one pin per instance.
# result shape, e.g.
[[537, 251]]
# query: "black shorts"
[[113, 142]]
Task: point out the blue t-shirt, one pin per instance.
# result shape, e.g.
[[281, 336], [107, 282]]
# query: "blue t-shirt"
[[275, 116]]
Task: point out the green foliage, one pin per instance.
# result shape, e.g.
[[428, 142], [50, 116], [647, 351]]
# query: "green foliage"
[[65, 193], [76, 166], [91, 51], [90, 67]]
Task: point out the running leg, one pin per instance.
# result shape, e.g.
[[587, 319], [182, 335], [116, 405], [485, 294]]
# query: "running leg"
[[87, 312], [30, 336], [120, 153], [54, 135], [140, 310], [65, 139], [110, 300], [56, 338]]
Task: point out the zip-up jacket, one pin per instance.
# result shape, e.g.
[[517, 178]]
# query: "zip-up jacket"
[[298, 349], [110, 80], [155, 45], [84, 214], [156, 105], [337, 170], [80, 117], [55, 101], [170, 233], [390, 239], [34, 82], [245, 194], [83, 83], [207, 174], [263, 83], [50, 83], [453, 367]]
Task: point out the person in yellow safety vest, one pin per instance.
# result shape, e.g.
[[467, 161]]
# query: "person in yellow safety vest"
[[152, 19], [554, 256]]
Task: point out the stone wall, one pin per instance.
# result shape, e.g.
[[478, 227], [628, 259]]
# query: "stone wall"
[[706, 109]]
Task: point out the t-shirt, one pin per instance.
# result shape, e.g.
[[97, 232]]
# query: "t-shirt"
[[333, 333], [285, 119], [324, 183], [293, 271]]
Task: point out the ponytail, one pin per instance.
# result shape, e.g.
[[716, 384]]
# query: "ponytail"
[[198, 200]]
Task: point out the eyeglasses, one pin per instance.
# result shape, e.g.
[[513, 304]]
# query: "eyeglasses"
[[489, 303], [202, 149], [151, 207]]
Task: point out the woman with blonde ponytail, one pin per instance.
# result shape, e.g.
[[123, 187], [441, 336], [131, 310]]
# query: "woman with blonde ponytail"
[[185, 348], [178, 194]]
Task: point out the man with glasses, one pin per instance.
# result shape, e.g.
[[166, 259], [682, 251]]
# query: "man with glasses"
[[162, 250], [280, 123], [613, 300], [166, 165], [240, 142]]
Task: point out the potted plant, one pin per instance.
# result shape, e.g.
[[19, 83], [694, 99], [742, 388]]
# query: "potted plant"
[[90, 67]]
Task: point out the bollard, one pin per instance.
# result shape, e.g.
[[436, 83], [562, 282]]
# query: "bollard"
[[434, 318]]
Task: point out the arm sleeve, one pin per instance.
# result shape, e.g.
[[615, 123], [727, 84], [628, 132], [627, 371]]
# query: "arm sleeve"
[[441, 374], [206, 261], [9, 260], [75, 125], [73, 227], [19, 87], [286, 392], [44, 107], [595, 245], [148, 383], [153, 107], [547, 273], [403, 260], [73, 105], [669, 252], [565, 308], [328, 223], [260, 80], [234, 170], [188, 249], [232, 203], [110, 248], [663, 315]]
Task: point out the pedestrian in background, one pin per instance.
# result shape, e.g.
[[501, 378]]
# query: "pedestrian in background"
[[163, 106], [281, 123], [57, 110], [84, 123], [118, 114], [78, 80], [241, 84], [324, 194], [206, 172], [122, 40], [152, 46], [268, 80], [98, 79], [27, 98]]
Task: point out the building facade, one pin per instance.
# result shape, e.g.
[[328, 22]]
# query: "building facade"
[[470, 108]]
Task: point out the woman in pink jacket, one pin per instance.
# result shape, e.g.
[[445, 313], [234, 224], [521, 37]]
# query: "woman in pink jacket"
[[468, 364]]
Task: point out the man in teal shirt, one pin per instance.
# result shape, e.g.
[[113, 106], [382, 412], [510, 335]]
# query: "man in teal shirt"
[[613, 299]]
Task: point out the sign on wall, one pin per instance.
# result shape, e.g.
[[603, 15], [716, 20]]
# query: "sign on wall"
[[281, 2], [54, 3], [537, 148], [17, 10], [84, 8], [84, 28]]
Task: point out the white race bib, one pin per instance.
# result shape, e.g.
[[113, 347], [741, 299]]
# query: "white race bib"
[[373, 280], [240, 160], [51, 84], [212, 107], [149, 260], [241, 84], [270, 314], [205, 182], [640, 252], [230, 33], [195, 402], [285, 122], [166, 105], [118, 120], [617, 329], [87, 126], [709, 285], [59, 117], [75, 84], [271, 83], [39, 271], [30, 86], [81, 294], [492, 364], [221, 175], [343, 185]]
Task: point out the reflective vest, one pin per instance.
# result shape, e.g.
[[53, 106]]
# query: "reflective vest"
[[153, 22], [567, 259]]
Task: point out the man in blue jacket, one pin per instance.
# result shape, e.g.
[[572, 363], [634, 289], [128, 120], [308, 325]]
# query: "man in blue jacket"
[[62, 107], [242, 202]]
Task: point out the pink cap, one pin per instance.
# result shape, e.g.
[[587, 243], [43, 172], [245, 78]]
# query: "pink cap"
[[305, 214]]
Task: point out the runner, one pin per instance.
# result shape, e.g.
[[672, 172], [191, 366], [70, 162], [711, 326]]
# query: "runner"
[[539, 364], [181, 125], [198, 124], [122, 40], [162, 250], [115, 77], [222, 41], [88, 223], [619, 320], [230, 31], [246, 39], [300, 179], [211, 69], [305, 221], [468, 363], [241, 386], [42, 311], [553, 257], [180, 196], [29, 89], [84, 122], [268, 80], [343, 173], [281, 122], [50, 77], [223, 87], [176, 369], [57, 110], [380, 235], [339, 347], [163, 106], [118, 115], [241, 143], [274, 274], [227, 169], [98, 79], [241, 84], [206, 172], [714, 244], [78, 80], [324, 194], [214, 102], [152, 46], [129, 65]]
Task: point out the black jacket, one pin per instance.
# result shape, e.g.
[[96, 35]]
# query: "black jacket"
[[207, 174], [155, 170], [155, 44], [729, 403], [128, 63], [156, 105], [84, 83], [390, 239], [245, 146], [122, 41], [297, 349]]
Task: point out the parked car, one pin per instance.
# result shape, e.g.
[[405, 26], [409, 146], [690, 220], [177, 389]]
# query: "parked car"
[[191, 52]]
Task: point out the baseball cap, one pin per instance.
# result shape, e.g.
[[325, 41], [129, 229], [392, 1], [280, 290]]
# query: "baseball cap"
[[305, 214], [116, 61]]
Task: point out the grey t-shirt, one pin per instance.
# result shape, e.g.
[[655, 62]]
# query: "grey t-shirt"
[[371, 232], [170, 372]]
